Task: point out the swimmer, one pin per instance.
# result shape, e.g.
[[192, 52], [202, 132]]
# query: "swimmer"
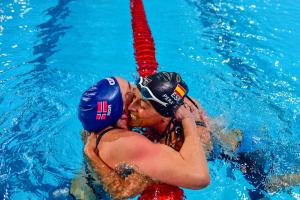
[[231, 141], [143, 156], [116, 94], [147, 105], [236, 148], [148, 111]]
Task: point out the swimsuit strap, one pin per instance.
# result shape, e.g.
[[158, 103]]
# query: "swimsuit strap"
[[167, 132], [100, 136]]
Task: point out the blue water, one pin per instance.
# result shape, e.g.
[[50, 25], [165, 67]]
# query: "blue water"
[[241, 60]]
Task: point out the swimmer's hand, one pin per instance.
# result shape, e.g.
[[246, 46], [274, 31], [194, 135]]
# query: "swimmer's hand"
[[188, 110], [198, 113], [183, 112], [89, 148]]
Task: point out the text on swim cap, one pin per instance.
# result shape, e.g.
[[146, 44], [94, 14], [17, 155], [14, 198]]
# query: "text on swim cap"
[[175, 96], [168, 99]]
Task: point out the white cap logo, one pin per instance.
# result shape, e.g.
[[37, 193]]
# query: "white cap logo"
[[110, 81]]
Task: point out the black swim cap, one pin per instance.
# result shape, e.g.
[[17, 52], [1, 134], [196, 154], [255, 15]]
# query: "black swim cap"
[[164, 90]]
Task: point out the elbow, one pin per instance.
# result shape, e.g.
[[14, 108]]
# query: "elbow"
[[205, 181], [201, 182]]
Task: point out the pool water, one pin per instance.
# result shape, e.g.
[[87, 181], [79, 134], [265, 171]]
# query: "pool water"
[[240, 58]]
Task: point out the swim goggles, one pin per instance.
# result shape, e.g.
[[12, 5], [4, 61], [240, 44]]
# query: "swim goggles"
[[147, 94]]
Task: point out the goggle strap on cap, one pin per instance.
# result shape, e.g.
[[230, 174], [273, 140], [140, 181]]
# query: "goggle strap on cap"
[[145, 91]]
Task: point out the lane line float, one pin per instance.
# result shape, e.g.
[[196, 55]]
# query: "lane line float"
[[144, 51]]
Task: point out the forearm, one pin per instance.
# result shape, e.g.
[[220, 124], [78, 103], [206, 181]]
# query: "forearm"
[[203, 125], [192, 150]]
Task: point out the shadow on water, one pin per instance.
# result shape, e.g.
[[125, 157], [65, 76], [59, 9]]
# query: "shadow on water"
[[24, 142], [42, 76], [50, 33]]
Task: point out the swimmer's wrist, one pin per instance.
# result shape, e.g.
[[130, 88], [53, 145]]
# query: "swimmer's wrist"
[[200, 123], [188, 117], [189, 126]]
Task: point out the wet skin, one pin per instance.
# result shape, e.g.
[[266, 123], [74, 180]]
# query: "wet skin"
[[150, 118]]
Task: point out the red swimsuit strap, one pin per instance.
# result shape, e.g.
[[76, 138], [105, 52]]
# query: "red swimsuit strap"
[[143, 42]]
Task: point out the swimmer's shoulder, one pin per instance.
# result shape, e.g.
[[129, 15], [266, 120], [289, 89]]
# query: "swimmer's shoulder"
[[117, 134], [123, 146]]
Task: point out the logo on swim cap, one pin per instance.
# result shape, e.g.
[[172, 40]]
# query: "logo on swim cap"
[[103, 110], [110, 81], [180, 91]]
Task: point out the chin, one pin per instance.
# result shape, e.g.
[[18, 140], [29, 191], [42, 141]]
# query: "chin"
[[134, 123]]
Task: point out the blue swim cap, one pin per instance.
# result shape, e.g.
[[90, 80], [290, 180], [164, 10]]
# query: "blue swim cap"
[[101, 105]]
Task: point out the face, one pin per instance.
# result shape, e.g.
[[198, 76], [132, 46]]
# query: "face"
[[142, 113], [128, 92]]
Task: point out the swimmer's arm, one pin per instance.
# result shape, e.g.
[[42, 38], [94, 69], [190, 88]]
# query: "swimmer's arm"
[[200, 115], [115, 185], [192, 149], [185, 168], [89, 150]]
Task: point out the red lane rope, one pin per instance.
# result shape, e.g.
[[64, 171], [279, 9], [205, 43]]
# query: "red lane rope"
[[143, 42], [161, 191], [144, 52]]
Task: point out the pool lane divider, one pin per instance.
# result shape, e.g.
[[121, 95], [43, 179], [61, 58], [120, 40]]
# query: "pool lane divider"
[[144, 51], [143, 43]]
